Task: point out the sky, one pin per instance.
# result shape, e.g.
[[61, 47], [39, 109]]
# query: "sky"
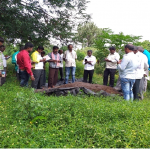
[[131, 17]]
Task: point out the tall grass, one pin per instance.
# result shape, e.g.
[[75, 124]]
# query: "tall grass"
[[34, 120]]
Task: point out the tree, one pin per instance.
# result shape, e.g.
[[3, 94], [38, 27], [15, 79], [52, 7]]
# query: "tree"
[[86, 33], [107, 38], [29, 20], [145, 44]]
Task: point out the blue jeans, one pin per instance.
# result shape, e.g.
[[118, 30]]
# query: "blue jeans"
[[73, 70], [127, 88], [24, 78]]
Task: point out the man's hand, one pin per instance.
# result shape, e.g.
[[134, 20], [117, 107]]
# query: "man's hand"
[[107, 60], [32, 62], [43, 60], [119, 62], [32, 78], [145, 75], [89, 62], [55, 61]]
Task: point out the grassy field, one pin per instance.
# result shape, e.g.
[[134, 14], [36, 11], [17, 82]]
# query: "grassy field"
[[33, 120]]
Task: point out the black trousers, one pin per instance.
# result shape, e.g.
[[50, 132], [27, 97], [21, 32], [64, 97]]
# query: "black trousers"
[[108, 72], [44, 77], [136, 88], [61, 73], [38, 75], [86, 74]]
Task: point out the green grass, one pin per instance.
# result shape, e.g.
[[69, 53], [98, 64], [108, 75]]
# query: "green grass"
[[33, 120]]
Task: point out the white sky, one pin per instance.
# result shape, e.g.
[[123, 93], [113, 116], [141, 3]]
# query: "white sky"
[[128, 16]]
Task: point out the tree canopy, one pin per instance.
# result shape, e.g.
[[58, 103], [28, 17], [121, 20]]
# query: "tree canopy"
[[107, 38], [86, 34], [30, 20], [145, 44]]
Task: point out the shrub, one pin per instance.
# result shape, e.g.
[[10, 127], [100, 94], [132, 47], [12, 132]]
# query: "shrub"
[[79, 69], [80, 55]]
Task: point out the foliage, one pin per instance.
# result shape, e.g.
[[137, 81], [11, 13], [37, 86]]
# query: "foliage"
[[64, 48], [10, 49], [79, 69], [84, 50], [80, 55], [86, 33], [107, 38], [145, 44], [33, 120], [37, 22]]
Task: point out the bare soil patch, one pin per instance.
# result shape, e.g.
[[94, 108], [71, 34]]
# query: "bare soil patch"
[[93, 87]]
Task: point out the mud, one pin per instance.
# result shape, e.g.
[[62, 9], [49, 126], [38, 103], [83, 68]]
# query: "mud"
[[93, 87]]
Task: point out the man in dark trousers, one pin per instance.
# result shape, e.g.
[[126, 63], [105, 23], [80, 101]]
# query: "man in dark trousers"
[[61, 65], [38, 64], [89, 62], [111, 66], [24, 62], [54, 64]]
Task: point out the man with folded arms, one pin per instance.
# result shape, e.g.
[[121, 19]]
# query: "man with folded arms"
[[24, 62], [127, 69], [38, 64]]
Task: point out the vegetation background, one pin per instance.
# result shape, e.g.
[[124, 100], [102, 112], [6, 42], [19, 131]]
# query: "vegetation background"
[[34, 120]]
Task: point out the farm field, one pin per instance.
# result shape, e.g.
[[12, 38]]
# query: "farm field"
[[33, 120]]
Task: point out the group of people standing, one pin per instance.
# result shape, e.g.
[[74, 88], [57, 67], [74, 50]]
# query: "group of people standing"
[[133, 71], [34, 67], [133, 68]]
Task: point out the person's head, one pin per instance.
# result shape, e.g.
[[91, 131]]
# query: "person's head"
[[28, 47], [2, 48], [42, 53], [70, 47], [21, 48], [55, 49], [135, 50], [129, 48], [60, 51], [112, 49], [1, 41], [89, 53], [40, 49], [140, 49]]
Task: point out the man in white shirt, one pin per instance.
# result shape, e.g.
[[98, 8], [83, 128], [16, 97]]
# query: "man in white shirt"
[[38, 63], [61, 65], [127, 71], [111, 66], [143, 65], [89, 62], [70, 57], [143, 81]]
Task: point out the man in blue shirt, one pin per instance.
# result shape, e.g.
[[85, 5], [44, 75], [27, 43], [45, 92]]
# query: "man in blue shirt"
[[14, 56]]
